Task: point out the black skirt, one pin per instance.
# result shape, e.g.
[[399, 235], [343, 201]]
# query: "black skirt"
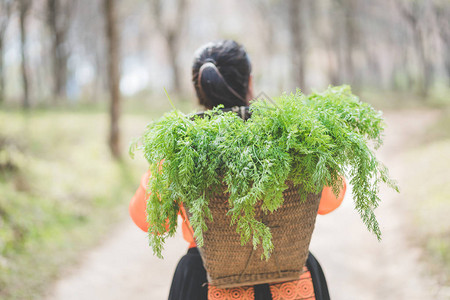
[[190, 283]]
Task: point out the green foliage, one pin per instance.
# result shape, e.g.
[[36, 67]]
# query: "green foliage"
[[311, 140], [59, 193]]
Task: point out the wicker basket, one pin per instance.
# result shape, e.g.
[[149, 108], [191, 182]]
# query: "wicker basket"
[[229, 264]]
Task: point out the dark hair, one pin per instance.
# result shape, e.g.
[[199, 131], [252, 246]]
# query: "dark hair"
[[220, 74]]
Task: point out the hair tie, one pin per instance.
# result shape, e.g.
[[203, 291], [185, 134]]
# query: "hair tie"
[[209, 63], [211, 60]]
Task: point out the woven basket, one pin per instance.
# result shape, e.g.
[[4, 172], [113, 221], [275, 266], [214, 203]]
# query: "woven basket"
[[229, 264]]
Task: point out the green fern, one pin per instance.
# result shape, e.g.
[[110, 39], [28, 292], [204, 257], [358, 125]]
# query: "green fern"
[[310, 140]]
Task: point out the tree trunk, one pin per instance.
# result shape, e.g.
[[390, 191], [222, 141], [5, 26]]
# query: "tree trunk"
[[447, 60], [24, 6], [113, 76], [171, 33], [332, 70], [58, 29], [351, 36], [425, 67], [173, 51], [297, 44], [5, 7], [330, 33], [413, 14], [442, 13], [2, 73]]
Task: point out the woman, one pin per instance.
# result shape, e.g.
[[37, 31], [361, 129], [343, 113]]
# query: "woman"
[[221, 74]]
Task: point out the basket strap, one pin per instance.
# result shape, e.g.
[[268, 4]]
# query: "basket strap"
[[186, 219], [246, 265], [262, 292]]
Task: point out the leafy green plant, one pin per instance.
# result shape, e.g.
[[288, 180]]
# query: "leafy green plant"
[[310, 140]]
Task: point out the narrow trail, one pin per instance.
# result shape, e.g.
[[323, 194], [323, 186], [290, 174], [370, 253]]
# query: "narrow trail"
[[356, 265]]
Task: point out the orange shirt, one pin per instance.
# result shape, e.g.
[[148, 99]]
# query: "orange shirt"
[[137, 208]]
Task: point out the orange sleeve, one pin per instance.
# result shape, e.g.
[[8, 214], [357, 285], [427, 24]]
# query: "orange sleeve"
[[138, 213], [328, 201], [138, 204]]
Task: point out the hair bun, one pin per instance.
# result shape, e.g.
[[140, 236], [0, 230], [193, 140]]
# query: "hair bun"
[[206, 65]]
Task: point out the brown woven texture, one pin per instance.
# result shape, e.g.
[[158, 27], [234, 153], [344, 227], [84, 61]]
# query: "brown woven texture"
[[230, 264]]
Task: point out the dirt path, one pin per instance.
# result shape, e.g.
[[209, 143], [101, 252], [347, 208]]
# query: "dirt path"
[[355, 264]]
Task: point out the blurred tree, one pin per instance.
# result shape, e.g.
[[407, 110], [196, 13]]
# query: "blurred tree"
[[442, 12], [413, 11], [5, 14], [297, 42], [89, 39], [24, 7], [383, 44], [268, 12], [113, 59], [343, 38], [270, 16], [58, 20], [351, 38], [171, 32], [330, 38]]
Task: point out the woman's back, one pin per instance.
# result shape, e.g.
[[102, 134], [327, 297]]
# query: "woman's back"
[[221, 75]]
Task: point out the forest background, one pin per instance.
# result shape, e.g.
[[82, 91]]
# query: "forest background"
[[79, 79]]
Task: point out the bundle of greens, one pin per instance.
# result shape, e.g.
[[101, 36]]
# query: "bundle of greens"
[[309, 140]]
